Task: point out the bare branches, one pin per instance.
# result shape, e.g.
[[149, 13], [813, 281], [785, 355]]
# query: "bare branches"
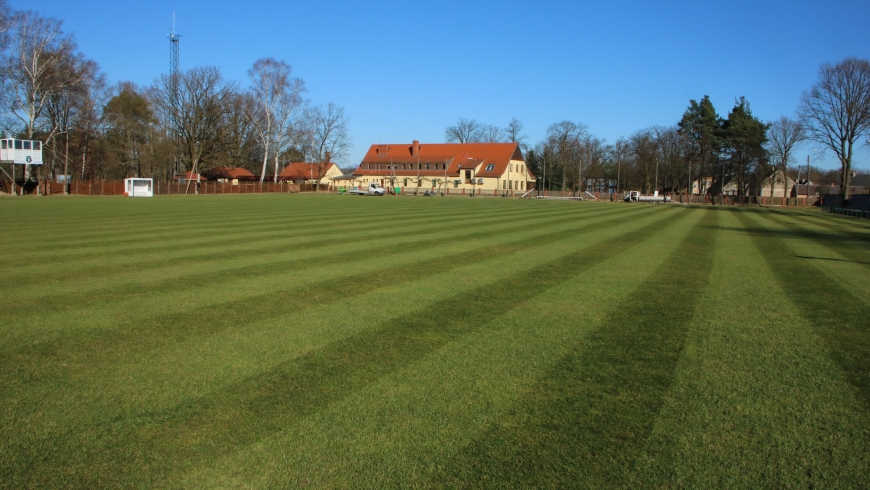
[[782, 136], [328, 127], [202, 101], [472, 131], [279, 101], [836, 110], [36, 50]]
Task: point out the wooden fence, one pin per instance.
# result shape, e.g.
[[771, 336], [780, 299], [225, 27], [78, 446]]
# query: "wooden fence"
[[116, 188]]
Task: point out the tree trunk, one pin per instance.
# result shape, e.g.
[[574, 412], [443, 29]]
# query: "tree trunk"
[[265, 160], [275, 177], [845, 176]]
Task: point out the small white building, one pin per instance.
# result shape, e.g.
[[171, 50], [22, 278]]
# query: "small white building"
[[20, 152], [136, 187]]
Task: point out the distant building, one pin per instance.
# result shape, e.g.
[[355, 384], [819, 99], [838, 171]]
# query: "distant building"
[[454, 166], [822, 190], [778, 189], [702, 185], [191, 176], [230, 175], [310, 173]]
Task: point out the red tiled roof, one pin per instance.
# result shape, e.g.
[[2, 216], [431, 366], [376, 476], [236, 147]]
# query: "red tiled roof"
[[231, 173], [303, 171], [467, 155], [192, 176]]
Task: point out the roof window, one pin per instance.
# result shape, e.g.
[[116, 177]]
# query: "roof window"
[[490, 168]]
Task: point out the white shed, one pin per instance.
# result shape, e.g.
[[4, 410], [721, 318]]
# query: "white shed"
[[136, 187]]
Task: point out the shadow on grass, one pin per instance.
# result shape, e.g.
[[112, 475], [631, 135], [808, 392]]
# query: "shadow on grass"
[[832, 259], [836, 314], [89, 297], [92, 348], [143, 449], [585, 423], [217, 238]]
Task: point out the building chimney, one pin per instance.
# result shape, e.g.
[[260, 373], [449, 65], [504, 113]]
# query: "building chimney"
[[328, 156], [415, 149]]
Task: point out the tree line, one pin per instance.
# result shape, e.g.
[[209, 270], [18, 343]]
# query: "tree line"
[[703, 152], [194, 120]]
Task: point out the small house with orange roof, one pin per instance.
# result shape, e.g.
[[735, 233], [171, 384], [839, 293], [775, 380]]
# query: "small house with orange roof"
[[310, 173], [228, 175], [191, 176], [436, 167]]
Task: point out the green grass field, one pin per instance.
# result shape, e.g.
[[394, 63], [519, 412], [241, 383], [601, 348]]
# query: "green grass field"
[[341, 341]]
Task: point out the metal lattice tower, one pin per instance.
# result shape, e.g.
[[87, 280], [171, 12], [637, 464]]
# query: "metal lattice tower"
[[172, 123]]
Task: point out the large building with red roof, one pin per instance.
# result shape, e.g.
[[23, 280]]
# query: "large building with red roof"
[[454, 166]]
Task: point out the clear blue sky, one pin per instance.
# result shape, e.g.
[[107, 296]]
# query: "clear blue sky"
[[406, 70]]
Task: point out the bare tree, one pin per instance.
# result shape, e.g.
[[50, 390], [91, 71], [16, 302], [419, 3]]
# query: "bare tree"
[[645, 149], [279, 99], [289, 120], [37, 48], [92, 98], [490, 133], [514, 131], [472, 131], [66, 108], [674, 153], [199, 109], [328, 133], [465, 131], [128, 117], [564, 139], [241, 145], [836, 111], [620, 154], [783, 135], [593, 153]]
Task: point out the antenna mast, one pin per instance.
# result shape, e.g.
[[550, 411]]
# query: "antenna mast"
[[173, 92]]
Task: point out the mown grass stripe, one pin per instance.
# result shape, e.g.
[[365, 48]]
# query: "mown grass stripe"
[[852, 244], [289, 299], [232, 245], [97, 220], [144, 449], [837, 316], [281, 224], [835, 222], [95, 347], [585, 423], [228, 231]]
